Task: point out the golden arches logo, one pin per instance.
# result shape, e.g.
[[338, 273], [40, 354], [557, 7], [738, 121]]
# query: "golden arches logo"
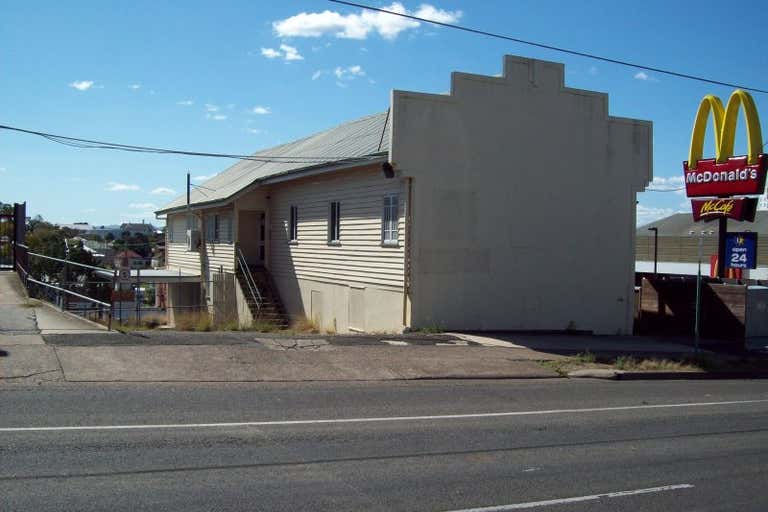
[[724, 124]]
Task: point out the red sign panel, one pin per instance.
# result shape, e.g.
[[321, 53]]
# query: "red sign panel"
[[736, 209], [734, 177]]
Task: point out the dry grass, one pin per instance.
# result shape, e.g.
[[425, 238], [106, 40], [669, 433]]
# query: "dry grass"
[[304, 326], [133, 325], [199, 321], [683, 363]]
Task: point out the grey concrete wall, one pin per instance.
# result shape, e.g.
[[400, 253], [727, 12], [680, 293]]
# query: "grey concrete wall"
[[523, 202]]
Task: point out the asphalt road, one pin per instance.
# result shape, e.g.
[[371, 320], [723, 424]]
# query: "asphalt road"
[[538, 445]]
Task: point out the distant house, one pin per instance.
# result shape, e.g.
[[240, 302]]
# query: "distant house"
[[80, 227], [137, 229], [103, 231], [470, 210], [130, 259]]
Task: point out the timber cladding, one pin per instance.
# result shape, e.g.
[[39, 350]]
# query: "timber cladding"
[[667, 307]]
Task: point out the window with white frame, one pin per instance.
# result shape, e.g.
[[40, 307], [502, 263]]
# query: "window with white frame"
[[176, 226], [218, 228], [293, 224], [389, 220], [334, 222]]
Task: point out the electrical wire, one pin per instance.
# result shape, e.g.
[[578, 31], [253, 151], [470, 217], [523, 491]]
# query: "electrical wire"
[[554, 48], [664, 189], [93, 144]]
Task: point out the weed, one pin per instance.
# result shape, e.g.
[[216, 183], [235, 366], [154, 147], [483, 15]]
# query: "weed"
[[586, 357], [304, 325], [429, 329]]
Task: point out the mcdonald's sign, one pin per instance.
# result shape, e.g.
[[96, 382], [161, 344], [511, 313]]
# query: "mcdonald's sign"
[[741, 208], [726, 175]]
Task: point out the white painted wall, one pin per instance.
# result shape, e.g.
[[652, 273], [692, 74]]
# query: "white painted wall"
[[523, 202], [313, 277], [177, 256]]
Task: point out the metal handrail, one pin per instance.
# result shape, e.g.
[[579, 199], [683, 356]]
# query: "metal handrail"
[[68, 262], [255, 293]]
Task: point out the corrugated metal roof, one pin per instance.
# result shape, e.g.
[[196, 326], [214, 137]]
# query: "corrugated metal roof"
[[359, 138], [681, 224]]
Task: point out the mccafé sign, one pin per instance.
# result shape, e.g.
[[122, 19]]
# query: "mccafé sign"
[[725, 175], [733, 208]]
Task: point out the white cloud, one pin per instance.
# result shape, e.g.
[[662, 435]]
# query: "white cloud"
[[286, 52], [138, 215], [430, 12], [671, 183], [270, 53], [203, 177], [259, 110], [216, 117], [143, 206], [185, 103], [647, 214], [82, 85], [641, 75], [135, 87], [290, 52], [360, 25], [211, 108], [256, 131], [348, 73], [342, 84], [163, 191], [114, 186], [317, 74]]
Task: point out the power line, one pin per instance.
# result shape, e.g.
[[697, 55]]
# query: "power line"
[[93, 144], [554, 48], [664, 189]]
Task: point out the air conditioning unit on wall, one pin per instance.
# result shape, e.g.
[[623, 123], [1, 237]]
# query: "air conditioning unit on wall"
[[193, 239]]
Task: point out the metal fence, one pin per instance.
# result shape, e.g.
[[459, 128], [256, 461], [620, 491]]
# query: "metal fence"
[[99, 294]]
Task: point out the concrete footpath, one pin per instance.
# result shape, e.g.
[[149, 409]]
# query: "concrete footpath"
[[40, 344], [170, 356], [23, 323]]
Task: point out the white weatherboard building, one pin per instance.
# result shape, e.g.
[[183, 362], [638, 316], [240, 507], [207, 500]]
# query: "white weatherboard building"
[[474, 210]]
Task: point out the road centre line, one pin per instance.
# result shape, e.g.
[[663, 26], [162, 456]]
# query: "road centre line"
[[277, 423], [576, 499]]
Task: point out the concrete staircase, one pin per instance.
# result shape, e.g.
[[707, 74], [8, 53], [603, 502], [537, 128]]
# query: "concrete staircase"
[[272, 309]]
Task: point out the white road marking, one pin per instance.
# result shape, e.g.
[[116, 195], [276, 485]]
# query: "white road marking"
[[395, 342], [562, 501], [279, 423]]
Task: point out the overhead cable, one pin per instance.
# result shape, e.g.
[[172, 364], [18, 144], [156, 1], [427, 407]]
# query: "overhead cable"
[[264, 158], [555, 48]]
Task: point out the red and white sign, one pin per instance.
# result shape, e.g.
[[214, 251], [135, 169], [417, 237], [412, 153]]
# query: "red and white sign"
[[733, 177], [731, 208]]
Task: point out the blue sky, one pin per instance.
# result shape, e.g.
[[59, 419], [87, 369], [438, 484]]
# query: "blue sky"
[[235, 77]]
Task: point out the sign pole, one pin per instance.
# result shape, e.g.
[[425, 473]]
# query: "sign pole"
[[722, 230], [698, 299]]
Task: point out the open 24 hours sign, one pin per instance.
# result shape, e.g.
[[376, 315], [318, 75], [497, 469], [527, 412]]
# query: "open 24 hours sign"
[[741, 250]]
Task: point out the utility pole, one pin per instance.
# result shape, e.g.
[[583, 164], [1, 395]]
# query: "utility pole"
[[189, 212]]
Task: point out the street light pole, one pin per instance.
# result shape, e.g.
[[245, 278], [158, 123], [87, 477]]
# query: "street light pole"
[[655, 248]]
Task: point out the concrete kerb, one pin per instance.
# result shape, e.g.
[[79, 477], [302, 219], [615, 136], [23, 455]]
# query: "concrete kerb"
[[608, 374]]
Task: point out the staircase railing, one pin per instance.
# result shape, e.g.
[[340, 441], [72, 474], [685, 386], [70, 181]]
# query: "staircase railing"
[[248, 277]]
